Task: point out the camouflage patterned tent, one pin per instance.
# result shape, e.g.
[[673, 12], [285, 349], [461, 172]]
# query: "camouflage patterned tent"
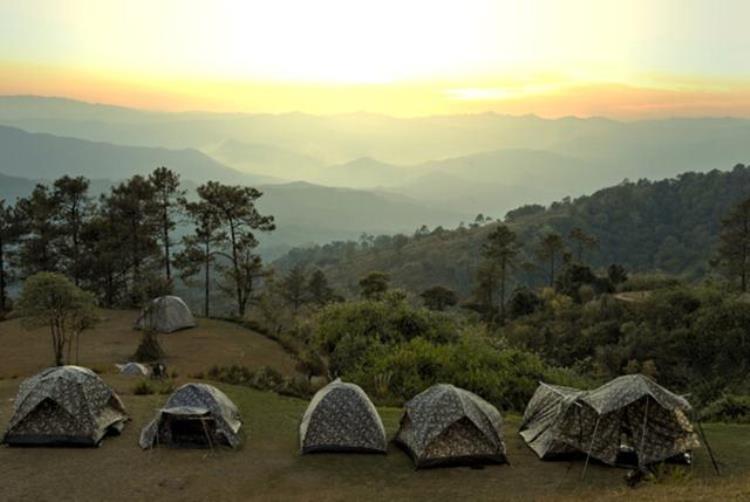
[[195, 415], [340, 417], [446, 425], [630, 416], [542, 416], [165, 315], [65, 405]]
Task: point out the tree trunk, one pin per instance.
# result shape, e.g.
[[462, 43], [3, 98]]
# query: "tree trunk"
[[503, 269], [165, 223], [207, 284], [746, 238], [76, 266], [236, 265], [3, 299], [552, 270]]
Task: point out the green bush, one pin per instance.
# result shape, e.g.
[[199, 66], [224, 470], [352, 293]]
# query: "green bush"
[[143, 388], [149, 350], [728, 408]]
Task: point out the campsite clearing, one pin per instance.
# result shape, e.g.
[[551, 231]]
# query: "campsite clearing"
[[268, 465]]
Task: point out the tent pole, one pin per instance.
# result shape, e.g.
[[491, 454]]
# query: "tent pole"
[[591, 446], [643, 436], [208, 436], [708, 448]]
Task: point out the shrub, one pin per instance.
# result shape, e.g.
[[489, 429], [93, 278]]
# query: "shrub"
[[143, 388], [149, 350], [728, 408]]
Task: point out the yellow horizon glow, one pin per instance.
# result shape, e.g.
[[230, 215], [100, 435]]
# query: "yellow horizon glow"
[[396, 57]]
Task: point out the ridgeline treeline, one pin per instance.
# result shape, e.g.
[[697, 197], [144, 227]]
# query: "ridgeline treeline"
[[668, 226]]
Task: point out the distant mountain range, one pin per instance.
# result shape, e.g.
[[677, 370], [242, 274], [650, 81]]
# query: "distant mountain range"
[[394, 174], [465, 163], [305, 213]]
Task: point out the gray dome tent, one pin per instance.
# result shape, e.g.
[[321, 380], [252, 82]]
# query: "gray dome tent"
[[340, 417], [195, 415], [165, 315], [65, 405], [446, 425], [133, 369], [630, 415]]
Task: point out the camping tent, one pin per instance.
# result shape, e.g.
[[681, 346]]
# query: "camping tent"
[[340, 417], [65, 405], [542, 416], [630, 420], [165, 315], [133, 369], [446, 425], [195, 415]]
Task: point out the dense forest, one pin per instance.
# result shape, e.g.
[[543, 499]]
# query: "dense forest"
[[669, 226], [630, 279]]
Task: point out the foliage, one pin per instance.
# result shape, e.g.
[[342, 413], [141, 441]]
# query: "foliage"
[[149, 349], [668, 226], [238, 220], [395, 350], [439, 298], [51, 300], [374, 285], [167, 194], [143, 388], [728, 408], [734, 245], [264, 378]]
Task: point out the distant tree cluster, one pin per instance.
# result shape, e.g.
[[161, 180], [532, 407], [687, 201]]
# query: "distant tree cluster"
[[122, 247]]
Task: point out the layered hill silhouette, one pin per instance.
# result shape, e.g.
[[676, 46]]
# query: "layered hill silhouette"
[[667, 226]]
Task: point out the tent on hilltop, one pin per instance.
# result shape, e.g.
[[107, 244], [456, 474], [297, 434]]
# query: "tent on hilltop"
[[446, 425], [195, 415], [630, 420], [65, 405], [340, 417], [165, 315]]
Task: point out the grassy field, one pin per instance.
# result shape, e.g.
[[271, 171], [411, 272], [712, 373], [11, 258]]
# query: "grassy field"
[[114, 340], [268, 466]]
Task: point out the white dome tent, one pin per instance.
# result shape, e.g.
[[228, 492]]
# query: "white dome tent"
[[166, 314]]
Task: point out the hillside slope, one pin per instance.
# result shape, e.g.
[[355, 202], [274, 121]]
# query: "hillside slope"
[[47, 156], [669, 225]]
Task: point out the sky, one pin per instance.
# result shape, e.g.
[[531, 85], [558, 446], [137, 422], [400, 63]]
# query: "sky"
[[622, 59]]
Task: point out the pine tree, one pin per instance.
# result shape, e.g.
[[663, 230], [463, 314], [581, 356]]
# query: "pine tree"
[[37, 215], [10, 232], [550, 248], [320, 292], [202, 247], [734, 245], [166, 185], [74, 208], [294, 288], [239, 219], [501, 249]]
